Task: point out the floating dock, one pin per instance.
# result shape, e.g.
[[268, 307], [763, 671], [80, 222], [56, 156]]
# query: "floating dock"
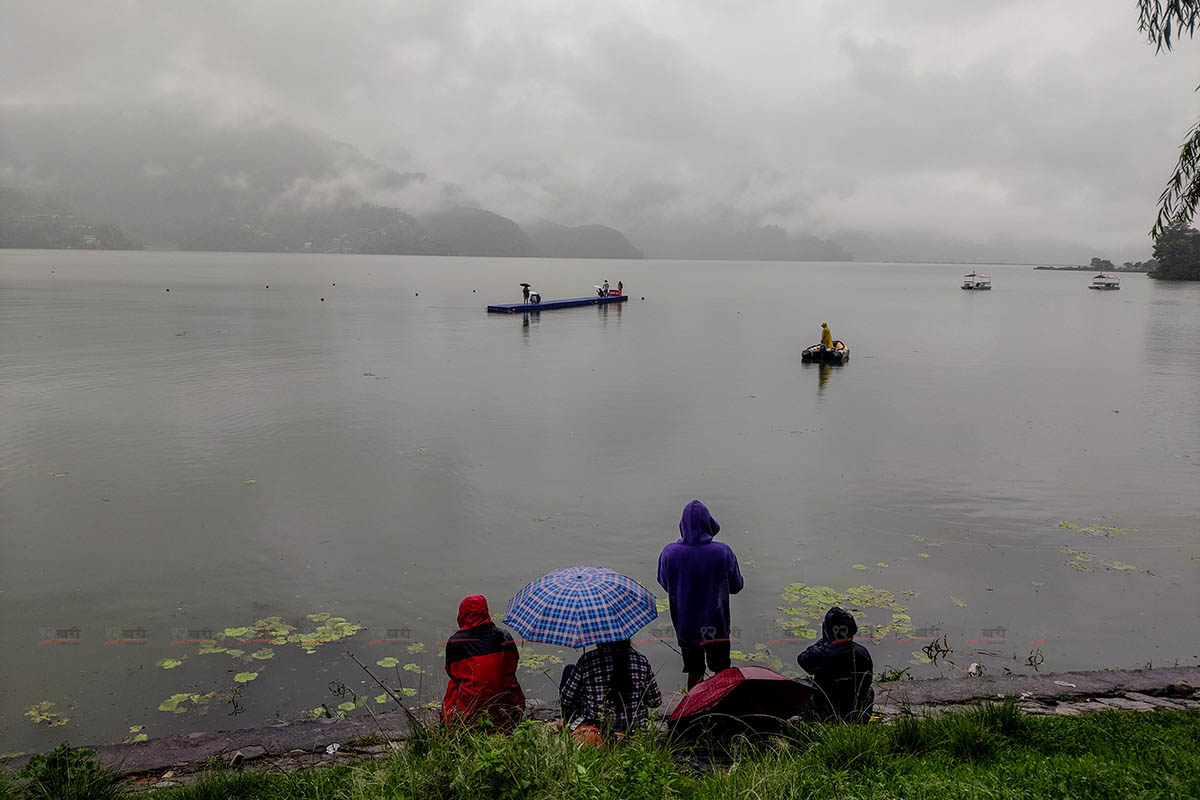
[[550, 305]]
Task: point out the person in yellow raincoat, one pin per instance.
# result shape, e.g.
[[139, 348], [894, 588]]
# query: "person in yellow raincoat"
[[826, 336]]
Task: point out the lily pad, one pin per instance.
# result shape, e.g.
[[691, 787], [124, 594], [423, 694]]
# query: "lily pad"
[[858, 566], [662, 604], [881, 564], [381, 699], [916, 538], [321, 617], [263, 654], [389, 662], [245, 677], [346, 706], [416, 648], [957, 602], [407, 692], [167, 663], [174, 703], [413, 668], [923, 555], [43, 713], [238, 633]]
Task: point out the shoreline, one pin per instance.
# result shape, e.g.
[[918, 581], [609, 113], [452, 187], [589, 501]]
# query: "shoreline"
[[302, 744]]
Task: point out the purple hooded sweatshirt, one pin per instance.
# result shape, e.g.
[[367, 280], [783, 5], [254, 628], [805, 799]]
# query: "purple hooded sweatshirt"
[[699, 575]]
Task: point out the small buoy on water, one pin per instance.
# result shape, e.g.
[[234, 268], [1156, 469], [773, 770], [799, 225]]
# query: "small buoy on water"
[[472, 291], [333, 284], [643, 297], [168, 290], [268, 286], [416, 294], [322, 299]]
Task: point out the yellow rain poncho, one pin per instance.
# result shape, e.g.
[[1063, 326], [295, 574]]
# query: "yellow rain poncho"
[[826, 336]]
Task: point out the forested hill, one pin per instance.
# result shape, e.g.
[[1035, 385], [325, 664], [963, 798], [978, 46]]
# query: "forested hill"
[[34, 220]]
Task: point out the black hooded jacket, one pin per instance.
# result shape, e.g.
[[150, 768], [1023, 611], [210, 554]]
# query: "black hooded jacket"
[[841, 667]]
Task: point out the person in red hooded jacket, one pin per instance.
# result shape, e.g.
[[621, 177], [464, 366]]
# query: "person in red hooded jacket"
[[481, 661]]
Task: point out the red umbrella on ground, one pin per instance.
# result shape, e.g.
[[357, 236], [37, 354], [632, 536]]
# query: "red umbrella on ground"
[[741, 699]]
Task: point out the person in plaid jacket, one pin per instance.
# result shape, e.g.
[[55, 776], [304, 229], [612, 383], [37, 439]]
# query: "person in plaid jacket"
[[611, 688]]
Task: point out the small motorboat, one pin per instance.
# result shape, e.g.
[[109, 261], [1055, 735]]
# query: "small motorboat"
[[1106, 280], [819, 354], [977, 281]]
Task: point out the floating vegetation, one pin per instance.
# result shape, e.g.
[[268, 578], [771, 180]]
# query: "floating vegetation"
[[237, 633], [536, 662], [414, 668], [922, 555], [916, 538], [809, 603], [750, 563], [43, 713], [168, 663], [209, 648], [319, 711], [388, 663], [881, 565], [416, 648], [136, 734], [320, 617], [263, 654], [349, 705], [245, 677], [382, 699], [175, 703], [957, 602], [662, 604], [1105, 531], [858, 566], [1087, 562]]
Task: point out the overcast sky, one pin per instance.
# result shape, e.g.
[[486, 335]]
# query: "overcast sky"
[[985, 119]]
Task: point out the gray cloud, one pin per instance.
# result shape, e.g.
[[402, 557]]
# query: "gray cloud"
[[981, 120]]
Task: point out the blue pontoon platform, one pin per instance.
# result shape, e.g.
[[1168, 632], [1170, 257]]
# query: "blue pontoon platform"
[[549, 305]]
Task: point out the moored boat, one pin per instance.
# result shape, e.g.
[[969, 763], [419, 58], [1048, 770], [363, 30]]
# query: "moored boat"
[[1106, 280], [819, 354], [977, 281]]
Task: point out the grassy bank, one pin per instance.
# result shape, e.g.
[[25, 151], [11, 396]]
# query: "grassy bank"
[[992, 752]]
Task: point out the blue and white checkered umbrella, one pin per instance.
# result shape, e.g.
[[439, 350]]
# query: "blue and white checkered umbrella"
[[580, 606]]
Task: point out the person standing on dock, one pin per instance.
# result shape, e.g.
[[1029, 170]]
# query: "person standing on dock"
[[699, 575], [826, 336], [525, 291], [620, 288]]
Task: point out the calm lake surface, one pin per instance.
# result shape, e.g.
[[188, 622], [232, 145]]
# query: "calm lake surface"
[[1020, 465]]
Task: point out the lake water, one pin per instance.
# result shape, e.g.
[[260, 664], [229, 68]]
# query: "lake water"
[[1019, 465]]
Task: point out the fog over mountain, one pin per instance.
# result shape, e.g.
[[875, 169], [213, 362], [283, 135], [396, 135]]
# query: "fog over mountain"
[[1018, 131]]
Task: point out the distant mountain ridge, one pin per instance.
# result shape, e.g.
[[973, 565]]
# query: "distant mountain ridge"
[[33, 220], [582, 241]]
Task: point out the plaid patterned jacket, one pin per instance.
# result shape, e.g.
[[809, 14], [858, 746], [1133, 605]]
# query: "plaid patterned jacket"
[[585, 690]]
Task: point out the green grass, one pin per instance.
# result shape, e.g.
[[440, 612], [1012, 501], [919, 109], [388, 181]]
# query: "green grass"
[[990, 752]]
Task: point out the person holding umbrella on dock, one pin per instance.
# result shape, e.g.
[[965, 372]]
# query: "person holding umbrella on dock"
[[699, 575], [525, 292]]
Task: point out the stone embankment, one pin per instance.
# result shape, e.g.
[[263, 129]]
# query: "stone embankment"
[[315, 743]]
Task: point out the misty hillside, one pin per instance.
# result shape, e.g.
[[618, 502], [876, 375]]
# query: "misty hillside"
[[582, 241], [179, 181], [34, 220], [734, 240], [476, 232]]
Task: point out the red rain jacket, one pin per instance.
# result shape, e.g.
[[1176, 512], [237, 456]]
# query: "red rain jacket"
[[481, 661]]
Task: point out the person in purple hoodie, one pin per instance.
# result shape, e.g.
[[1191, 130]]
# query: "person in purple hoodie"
[[699, 575]]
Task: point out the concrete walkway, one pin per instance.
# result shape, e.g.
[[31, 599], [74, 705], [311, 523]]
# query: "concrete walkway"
[[169, 760]]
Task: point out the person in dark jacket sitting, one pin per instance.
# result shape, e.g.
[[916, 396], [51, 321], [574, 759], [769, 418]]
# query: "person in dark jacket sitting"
[[481, 662], [841, 670], [611, 689]]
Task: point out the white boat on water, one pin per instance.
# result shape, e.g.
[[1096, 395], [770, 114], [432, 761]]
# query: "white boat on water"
[[977, 281], [1105, 280]]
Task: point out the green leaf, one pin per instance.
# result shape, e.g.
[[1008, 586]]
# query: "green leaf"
[[167, 663], [388, 663], [245, 677]]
